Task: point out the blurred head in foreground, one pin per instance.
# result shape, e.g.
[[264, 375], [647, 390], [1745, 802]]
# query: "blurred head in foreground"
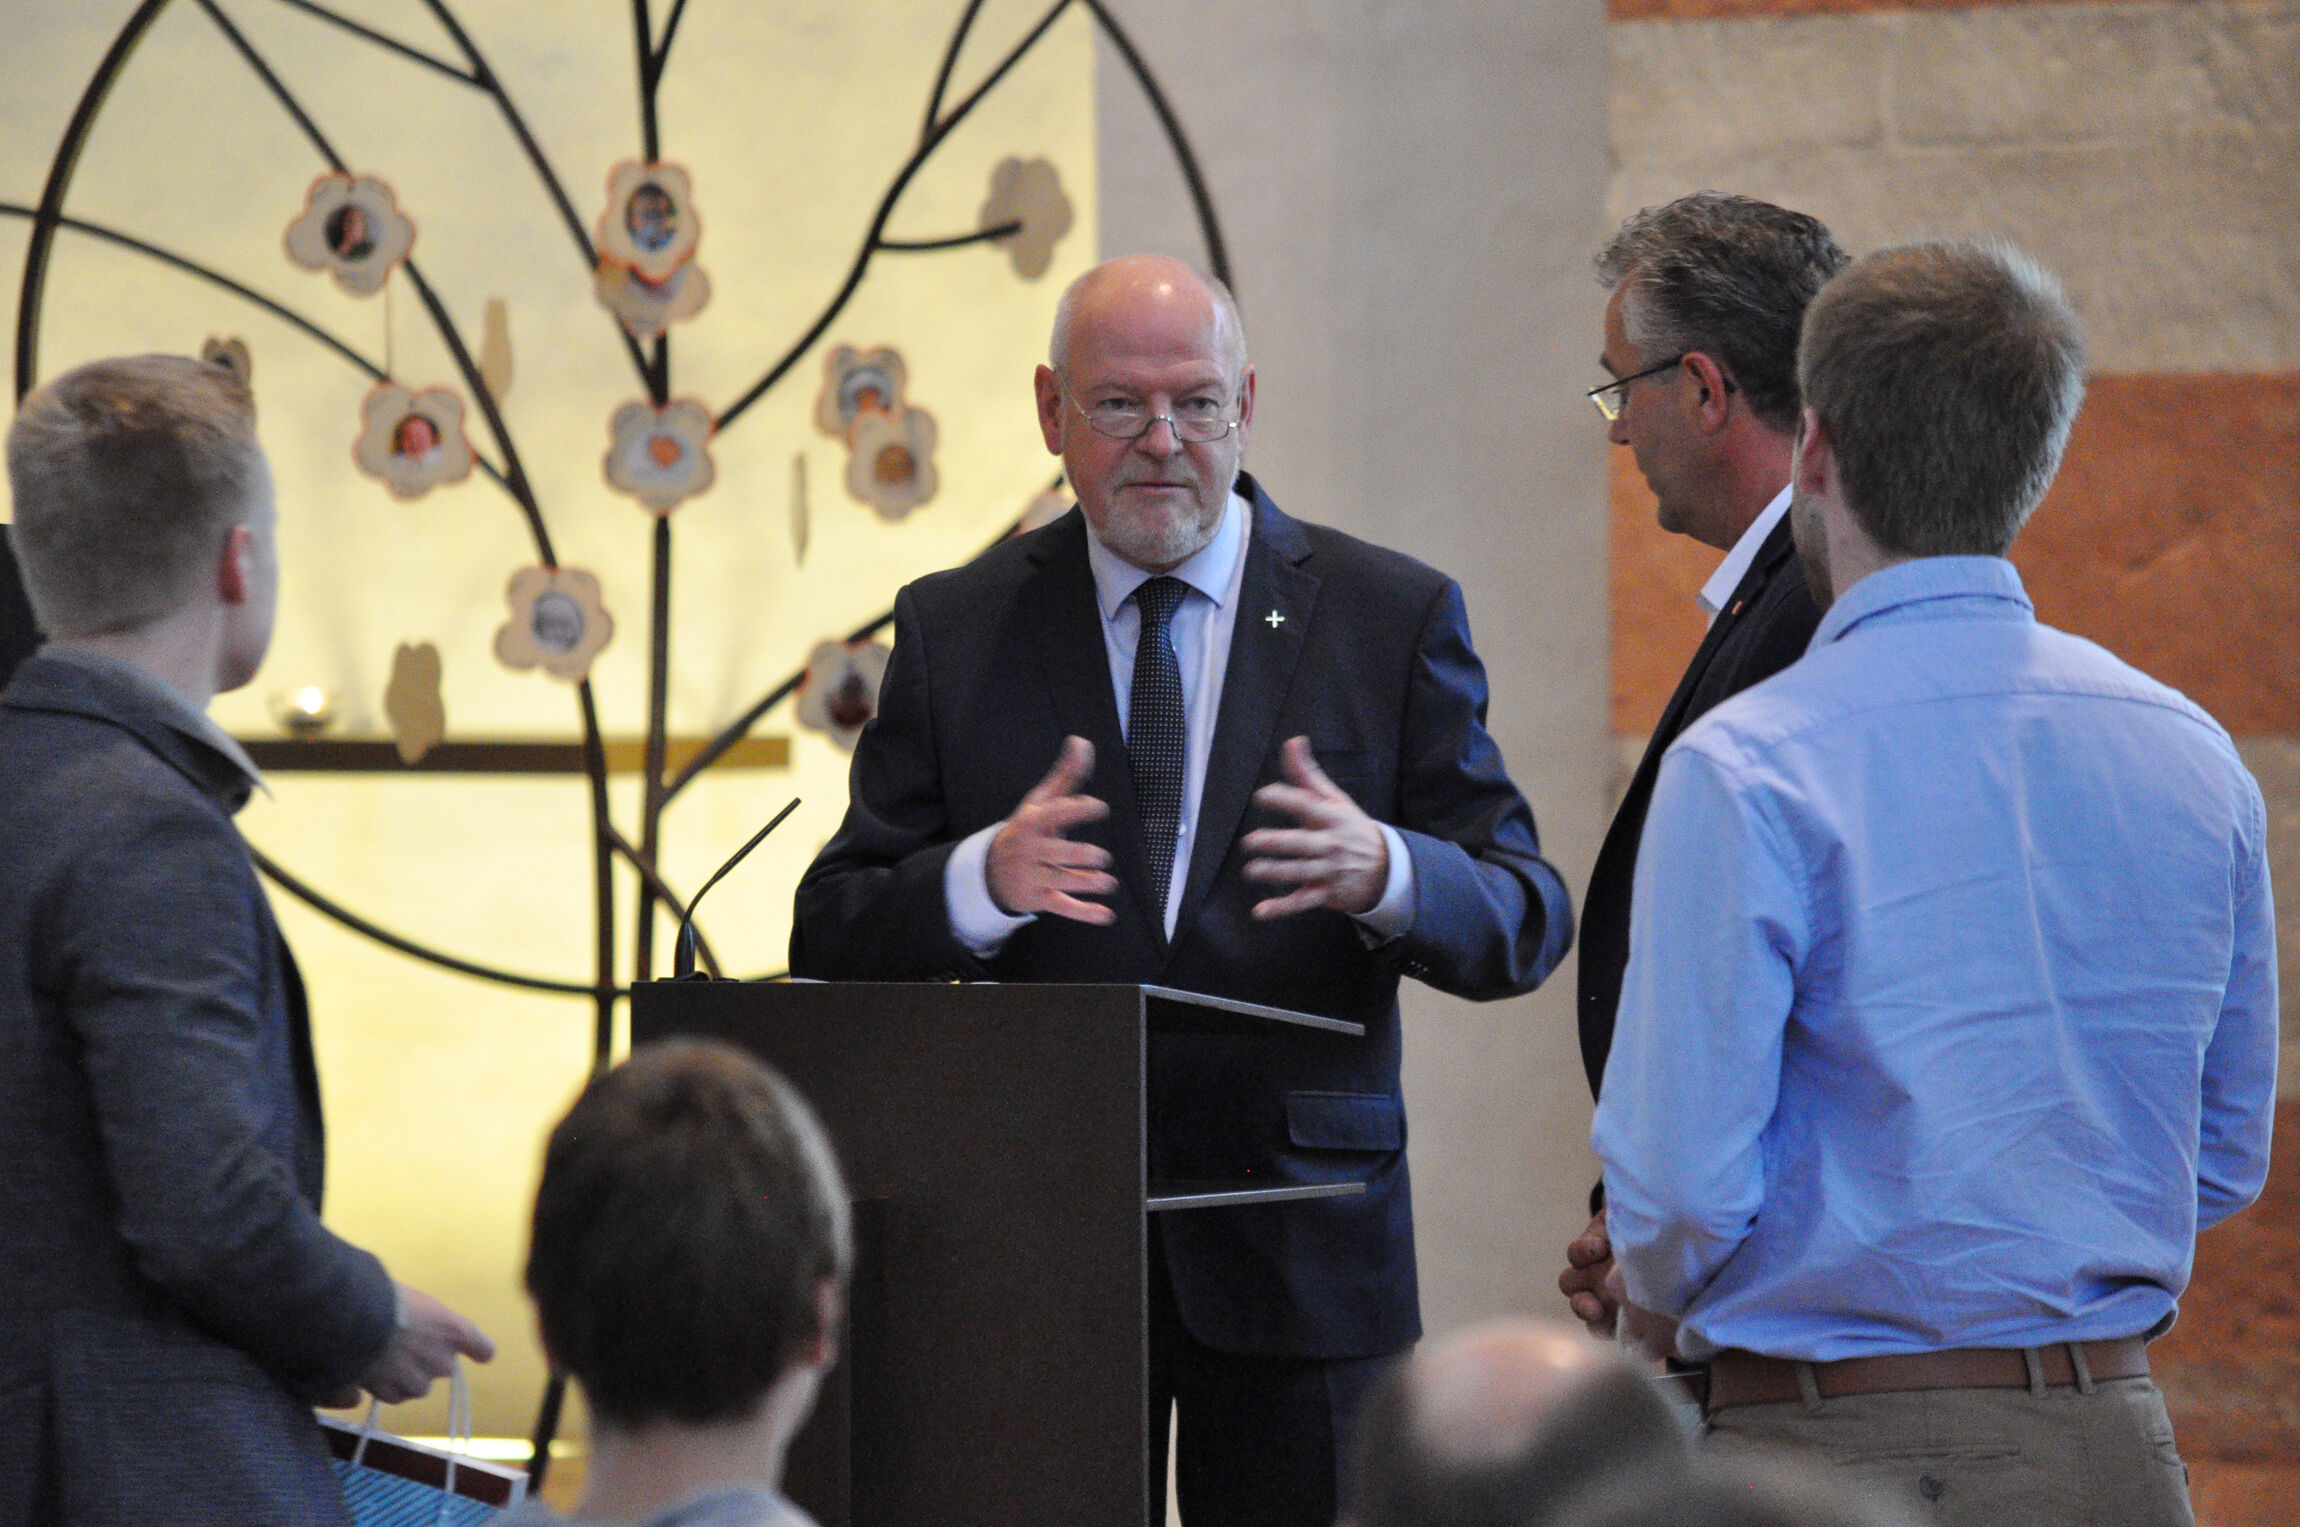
[[1500, 1425], [691, 1249]]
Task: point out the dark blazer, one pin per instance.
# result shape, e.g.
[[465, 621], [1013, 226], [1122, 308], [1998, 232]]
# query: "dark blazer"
[[1763, 628], [994, 664], [18, 636], [170, 1304]]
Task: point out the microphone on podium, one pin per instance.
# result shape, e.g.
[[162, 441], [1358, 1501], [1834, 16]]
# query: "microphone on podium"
[[683, 953]]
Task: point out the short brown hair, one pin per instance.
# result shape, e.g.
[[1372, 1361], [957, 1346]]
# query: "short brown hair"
[[1946, 377], [127, 475], [690, 1209], [1730, 277]]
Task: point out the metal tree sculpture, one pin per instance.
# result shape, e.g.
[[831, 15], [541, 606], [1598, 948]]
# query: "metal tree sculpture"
[[498, 458]]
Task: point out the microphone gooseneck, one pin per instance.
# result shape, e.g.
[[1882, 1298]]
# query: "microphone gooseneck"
[[683, 953]]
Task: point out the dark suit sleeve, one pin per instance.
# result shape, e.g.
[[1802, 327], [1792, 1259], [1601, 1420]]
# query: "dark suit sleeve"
[[871, 906], [1491, 917], [166, 974]]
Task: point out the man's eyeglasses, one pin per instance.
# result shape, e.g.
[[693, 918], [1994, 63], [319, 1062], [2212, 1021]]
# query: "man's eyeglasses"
[[1199, 421], [1610, 399]]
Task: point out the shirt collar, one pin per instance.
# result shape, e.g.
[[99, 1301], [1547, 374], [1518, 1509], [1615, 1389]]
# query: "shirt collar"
[[1735, 567], [1211, 570], [175, 710], [1922, 580]]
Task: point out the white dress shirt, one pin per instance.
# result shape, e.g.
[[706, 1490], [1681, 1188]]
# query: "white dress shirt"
[[1200, 629], [1735, 567]]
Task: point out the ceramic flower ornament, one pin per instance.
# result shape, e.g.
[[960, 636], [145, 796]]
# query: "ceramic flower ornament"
[[558, 622], [892, 465], [661, 457], [839, 695], [351, 227], [412, 441], [1029, 192], [650, 227], [856, 382]]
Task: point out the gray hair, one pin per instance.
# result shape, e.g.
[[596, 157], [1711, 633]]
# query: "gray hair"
[[128, 474], [1225, 309], [1729, 277], [1946, 377]]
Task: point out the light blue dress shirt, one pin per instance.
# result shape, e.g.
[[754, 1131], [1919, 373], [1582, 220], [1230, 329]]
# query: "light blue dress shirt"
[[1950, 1014], [1200, 628]]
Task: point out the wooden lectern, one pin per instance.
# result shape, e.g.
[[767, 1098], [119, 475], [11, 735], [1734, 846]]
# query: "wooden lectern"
[[996, 1359]]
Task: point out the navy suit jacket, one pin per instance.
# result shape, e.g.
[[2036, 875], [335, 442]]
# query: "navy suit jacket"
[[1764, 627], [170, 1304], [994, 664]]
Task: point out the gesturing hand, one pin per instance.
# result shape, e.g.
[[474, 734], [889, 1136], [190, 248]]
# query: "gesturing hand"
[[1032, 867], [1337, 858]]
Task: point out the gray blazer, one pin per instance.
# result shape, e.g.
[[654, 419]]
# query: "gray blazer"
[[170, 1304]]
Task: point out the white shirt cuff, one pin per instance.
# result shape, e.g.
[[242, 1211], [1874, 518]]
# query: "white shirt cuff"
[[1394, 913], [975, 919]]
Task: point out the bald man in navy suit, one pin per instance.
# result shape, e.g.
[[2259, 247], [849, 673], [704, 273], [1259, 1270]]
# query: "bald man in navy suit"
[[1270, 780]]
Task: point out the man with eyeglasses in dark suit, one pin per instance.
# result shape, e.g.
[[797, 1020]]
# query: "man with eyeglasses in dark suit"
[[1701, 341], [1271, 781]]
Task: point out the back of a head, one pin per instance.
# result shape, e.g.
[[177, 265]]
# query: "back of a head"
[[1777, 1493], [689, 1213], [127, 475], [1730, 277], [1946, 377], [1489, 1449]]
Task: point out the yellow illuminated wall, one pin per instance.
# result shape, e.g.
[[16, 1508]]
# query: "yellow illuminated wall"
[[793, 118]]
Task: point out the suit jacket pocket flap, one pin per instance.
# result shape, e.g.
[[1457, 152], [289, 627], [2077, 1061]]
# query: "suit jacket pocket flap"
[[1345, 1121]]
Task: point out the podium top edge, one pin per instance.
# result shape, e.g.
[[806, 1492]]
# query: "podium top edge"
[[1253, 1010]]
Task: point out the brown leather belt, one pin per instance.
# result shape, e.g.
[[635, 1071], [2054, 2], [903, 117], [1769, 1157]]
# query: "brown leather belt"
[[1744, 1378]]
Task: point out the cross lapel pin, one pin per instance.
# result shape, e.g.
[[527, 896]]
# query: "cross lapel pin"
[[1275, 619]]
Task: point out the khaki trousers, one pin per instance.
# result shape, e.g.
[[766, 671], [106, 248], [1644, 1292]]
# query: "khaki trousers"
[[1985, 1457]]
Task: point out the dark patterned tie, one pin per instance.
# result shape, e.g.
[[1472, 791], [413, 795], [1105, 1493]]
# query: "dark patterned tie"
[[1155, 730]]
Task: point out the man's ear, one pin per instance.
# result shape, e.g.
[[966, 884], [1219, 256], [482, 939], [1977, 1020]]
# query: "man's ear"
[[1713, 395], [1813, 463], [1246, 399], [1049, 390], [232, 581], [822, 1352]]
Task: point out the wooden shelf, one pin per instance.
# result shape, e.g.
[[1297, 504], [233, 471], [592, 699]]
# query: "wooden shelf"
[[625, 755]]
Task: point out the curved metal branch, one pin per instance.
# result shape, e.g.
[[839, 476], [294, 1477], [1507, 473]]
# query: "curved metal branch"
[[514, 474], [1217, 256], [407, 946], [949, 62], [740, 727], [902, 179], [382, 41], [60, 171], [670, 30], [663, 893], [604, 991], [248, 294], [955, 241], [493, 84]]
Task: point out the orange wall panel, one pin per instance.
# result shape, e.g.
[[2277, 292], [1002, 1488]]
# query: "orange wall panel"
[[1656, 624], [2173, 538]]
